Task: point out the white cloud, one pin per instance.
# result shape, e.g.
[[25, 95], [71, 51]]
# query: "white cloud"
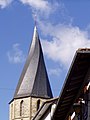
[[37, 6], [54, 71], [41, 8], [15, 55], [66, 39], [41, 5], [4, 3]]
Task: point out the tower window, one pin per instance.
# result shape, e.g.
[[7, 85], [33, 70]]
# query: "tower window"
[[21, 107], [38, 104]]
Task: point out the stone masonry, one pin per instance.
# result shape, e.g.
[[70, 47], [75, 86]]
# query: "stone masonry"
[[29, 108]]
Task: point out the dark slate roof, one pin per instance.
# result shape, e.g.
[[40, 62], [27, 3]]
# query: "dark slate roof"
[[77, 77], [34, 79]]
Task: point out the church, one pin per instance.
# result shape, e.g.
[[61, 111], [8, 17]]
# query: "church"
[[33, 98], [33, 88]]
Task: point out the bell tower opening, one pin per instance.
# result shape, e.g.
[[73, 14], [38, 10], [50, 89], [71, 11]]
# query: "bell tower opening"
[[21, 108], [38, 104]]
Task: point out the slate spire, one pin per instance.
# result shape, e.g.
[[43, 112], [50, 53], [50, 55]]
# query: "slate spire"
[[34, 79]]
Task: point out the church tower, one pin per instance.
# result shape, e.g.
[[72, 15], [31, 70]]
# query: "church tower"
[[33, 87]]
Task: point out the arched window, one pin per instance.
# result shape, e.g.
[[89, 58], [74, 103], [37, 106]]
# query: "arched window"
[[21, 107], [38, 104]]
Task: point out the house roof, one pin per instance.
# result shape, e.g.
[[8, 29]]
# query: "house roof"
[[44, 108], [34, 79], [78, 74]]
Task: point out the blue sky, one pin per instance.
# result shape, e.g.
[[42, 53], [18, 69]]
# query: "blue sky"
[[63, 26]]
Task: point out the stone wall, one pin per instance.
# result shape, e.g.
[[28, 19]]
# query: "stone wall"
[[15, 112], [29, 108], [34, 105]]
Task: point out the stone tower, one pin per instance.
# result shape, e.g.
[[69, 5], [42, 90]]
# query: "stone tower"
[[33, 87]]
